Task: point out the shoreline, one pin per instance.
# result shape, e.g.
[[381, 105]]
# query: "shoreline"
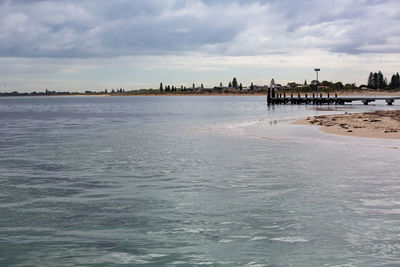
[[133, 95], [340, 93], [378, 124]]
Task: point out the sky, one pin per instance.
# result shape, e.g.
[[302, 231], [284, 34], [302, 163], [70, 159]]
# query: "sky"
[[79, 45]]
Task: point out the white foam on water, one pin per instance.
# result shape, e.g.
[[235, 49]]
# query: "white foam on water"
[[186, 204], [192, 230], [295, 239], [126, 258], [105, 151], [258, 238], [179, 262], [154, 255], [254, 264], [205, 263], [161, 232], [271, 226], [238, 236], [239, 186], [225, 241], [236, 128]]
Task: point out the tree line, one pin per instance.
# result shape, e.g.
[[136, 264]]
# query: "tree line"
[[378, 81], [171, 88], [375, 81]]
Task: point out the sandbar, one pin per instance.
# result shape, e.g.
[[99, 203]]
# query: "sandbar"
[[378, 124]]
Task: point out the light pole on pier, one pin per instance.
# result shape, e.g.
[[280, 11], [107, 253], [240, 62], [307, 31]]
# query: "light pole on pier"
[[317, 70]]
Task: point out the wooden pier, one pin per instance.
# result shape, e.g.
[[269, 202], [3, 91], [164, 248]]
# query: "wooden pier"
[[283, 98]]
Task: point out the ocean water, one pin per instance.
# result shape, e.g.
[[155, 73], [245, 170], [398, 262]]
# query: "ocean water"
[[183, 181]]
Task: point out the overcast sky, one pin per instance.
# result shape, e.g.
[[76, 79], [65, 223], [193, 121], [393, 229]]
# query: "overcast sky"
[[133, 44]]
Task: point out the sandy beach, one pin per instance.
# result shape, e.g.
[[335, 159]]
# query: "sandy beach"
[[378, 124]]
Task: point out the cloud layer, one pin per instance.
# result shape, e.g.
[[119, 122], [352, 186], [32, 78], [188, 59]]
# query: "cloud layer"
[[86, 44], [76, 28]]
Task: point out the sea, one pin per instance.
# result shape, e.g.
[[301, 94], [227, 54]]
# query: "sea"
[[192, 181]]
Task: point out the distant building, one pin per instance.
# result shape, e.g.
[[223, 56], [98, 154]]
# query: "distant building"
[[272, 84], [260, 87]]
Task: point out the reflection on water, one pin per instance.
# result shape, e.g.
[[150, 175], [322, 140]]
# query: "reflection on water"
[[191, 181]]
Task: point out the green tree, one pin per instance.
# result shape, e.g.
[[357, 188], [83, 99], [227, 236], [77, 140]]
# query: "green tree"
[[382, 83], [371, 81], [240, 87], [376, 81], [234, 83], [395, 81], [161, 87], [350, 86], [326, 83], [338, 86]]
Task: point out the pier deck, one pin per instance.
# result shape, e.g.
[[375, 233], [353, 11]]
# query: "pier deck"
[[283, 98]]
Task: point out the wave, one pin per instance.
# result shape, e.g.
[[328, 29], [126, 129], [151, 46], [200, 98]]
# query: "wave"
[[295, 239]]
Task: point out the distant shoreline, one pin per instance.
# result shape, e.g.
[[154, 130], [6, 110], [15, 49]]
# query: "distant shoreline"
[[339, 93]]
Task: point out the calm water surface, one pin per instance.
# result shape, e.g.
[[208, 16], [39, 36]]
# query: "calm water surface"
[[182, 181]]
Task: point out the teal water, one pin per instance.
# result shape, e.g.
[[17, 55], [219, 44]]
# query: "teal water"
[[182, 181]]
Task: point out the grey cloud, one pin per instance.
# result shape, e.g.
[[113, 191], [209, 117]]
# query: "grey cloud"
[[348, 26], [72, 29], [109, 28]]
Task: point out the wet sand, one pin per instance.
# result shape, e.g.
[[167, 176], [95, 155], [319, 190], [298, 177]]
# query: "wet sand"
[[378, 124]]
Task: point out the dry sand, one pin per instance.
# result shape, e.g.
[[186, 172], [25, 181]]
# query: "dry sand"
[[378, 124]]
